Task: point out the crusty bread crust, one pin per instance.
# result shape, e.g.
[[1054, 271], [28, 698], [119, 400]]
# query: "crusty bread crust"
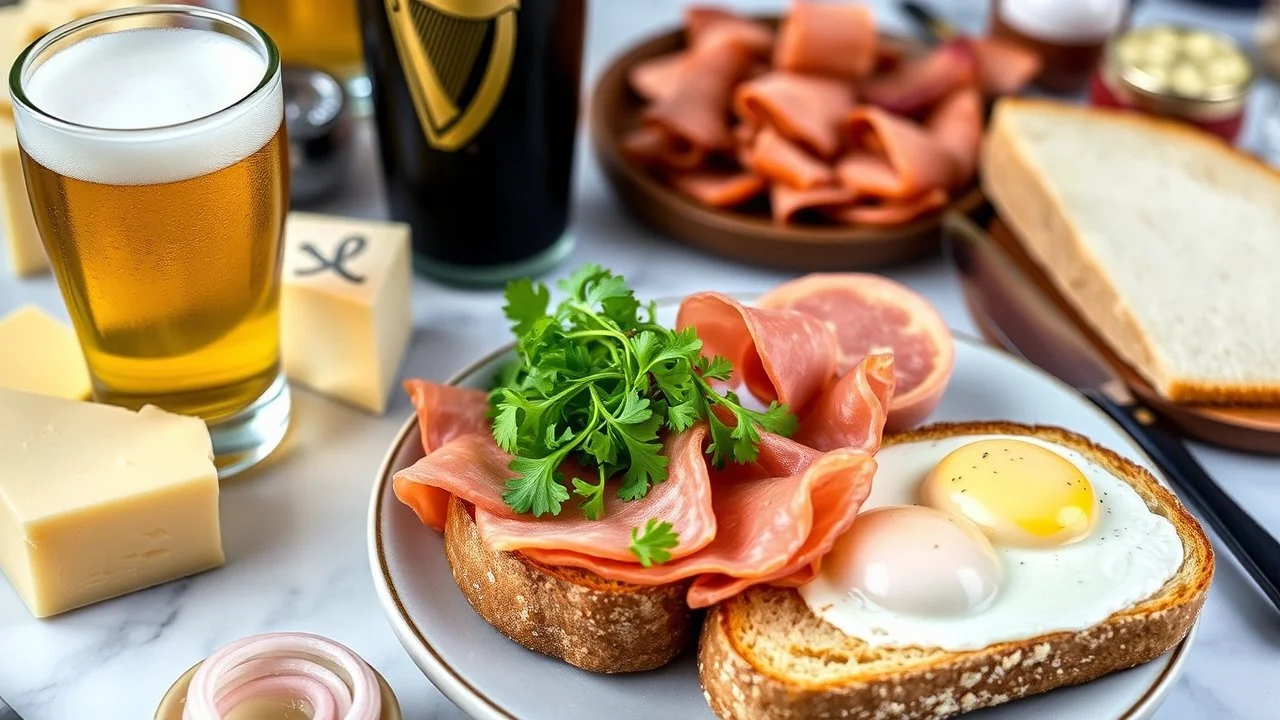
[[570, 614], [739, 684], [1027, 204]]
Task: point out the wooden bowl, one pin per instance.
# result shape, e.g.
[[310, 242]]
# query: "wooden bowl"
[[749, 236]]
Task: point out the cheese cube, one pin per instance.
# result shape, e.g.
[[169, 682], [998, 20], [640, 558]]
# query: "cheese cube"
[[345, 315], [26, 253], [38, 354], [97, 501]]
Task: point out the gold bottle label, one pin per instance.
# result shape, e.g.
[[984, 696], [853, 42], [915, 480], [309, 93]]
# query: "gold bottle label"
[[440, 43]]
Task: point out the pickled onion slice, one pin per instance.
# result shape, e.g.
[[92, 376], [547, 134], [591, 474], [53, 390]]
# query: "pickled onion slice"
[[334, 682]]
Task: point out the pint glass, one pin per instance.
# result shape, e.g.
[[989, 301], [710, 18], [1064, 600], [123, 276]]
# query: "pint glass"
[[154, 150]]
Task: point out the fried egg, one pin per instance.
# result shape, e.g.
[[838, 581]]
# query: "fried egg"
[[974, 540]]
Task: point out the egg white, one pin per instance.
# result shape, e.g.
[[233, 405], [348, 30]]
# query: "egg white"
[[1130, 554]]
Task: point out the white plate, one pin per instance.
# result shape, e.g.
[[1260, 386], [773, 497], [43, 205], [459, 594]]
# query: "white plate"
[[491, 678]]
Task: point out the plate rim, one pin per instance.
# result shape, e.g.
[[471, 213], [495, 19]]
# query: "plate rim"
[[476, 704]]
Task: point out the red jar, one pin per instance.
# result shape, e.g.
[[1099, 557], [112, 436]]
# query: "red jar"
[[1189, 74]]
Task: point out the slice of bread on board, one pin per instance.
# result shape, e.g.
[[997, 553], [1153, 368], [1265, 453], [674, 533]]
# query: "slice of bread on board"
[[574, 615], [1163, 237], [763, 654]]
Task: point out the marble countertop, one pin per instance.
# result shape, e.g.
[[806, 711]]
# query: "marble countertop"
[[294, 532]]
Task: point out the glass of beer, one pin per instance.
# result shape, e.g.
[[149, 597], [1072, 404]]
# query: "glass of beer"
[[154, 150]]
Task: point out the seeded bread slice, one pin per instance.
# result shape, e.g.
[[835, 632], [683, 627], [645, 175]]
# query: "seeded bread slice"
[[567, 613], [763, 655]]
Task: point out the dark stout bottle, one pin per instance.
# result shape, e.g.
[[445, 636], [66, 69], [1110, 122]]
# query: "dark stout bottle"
[[476, 103]]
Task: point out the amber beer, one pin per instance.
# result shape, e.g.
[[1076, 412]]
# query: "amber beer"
[[477, 107], [159, 184]]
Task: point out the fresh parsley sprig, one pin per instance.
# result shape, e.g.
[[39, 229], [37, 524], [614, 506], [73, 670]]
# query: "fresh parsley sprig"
[[597, 380], [653, 544]]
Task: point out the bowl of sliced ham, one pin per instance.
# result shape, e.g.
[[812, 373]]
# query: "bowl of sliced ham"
[[807, 142]]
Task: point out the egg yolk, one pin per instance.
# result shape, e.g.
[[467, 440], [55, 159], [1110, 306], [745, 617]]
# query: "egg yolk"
[[1019, 493], [915, 560]]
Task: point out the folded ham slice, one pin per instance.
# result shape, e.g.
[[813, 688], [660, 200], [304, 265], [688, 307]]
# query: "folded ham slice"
[[658, 78], [698, 110], [787, 202], [771, 522], [1004, 67], [778, 159], [956, 126], [852, 412], [806, 109], [719, 189], [917, 161], [916, 85], [891, 212], [653, 146], [778, 355], [445, 413], [704, 22], [837, 39]]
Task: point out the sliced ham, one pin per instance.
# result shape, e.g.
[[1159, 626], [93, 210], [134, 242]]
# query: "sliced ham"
[[891, 212], [768, 527], [1004, 67], [916, 85], [776, 354], [956, 126], [919, 163], [787, 202], [720, 189], [658, 78], [698, 111], [836, 507], [837, 39], [778, 159], [653, 146], [806, 109], [703, 22], [684, 500], [445, 413], [852, 412], [471, 467]]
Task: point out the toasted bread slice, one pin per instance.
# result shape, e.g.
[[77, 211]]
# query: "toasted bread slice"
[[574, 615], [764, 655], [1157, 233]]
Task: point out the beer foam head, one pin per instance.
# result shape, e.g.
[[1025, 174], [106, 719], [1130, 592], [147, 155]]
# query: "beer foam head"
[[148, 105]]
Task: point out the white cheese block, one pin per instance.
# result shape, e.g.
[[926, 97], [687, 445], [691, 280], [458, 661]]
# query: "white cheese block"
[[345, 315], [41, 355], [98, 501], [26, 253]]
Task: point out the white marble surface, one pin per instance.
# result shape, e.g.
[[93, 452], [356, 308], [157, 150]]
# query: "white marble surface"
[[295, 532]]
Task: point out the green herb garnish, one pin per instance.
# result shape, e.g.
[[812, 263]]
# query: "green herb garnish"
[[653, 543], [597, 380]]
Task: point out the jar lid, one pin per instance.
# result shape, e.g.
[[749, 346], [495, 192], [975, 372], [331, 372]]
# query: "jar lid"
[[1197, 70]]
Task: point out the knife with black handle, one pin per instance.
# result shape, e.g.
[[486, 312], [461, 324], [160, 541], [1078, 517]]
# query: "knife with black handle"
[[1012, 309]]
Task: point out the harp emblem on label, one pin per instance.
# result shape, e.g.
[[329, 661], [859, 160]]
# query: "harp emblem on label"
[[456, 56]]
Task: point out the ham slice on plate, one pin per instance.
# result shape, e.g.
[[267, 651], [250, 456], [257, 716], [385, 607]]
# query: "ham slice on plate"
[[720, 189], [445, 413], [698, 110], [777, 354], [787, 202], [836, 39], [852, 412], [658, 78], [702, 23], [684, 500], [654, 146], [774, 157], [1004, 67], [806, 109], [956, 126], [917, 84], [767, 521], [891, 212], [917, 161]]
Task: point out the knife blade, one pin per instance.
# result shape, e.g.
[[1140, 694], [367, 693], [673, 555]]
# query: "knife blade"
[[1007, 304], [8, 713]]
